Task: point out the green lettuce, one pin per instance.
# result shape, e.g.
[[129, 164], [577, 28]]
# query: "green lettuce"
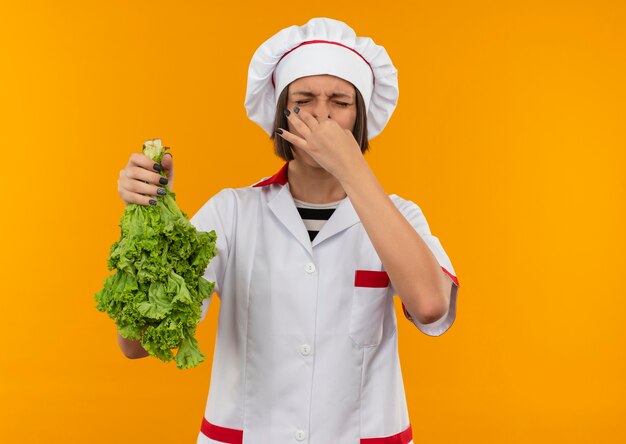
[[156, 292]]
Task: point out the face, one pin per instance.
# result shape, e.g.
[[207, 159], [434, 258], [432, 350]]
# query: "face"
[[322, 95]]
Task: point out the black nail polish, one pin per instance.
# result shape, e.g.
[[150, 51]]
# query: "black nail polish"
[[287, 112], [161, 192], [157, 167], [296, 110], [152, 202], [279, 131], [163, 181]]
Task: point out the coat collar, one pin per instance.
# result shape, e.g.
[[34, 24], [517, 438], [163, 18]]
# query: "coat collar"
[[281, 203], [280, 178]]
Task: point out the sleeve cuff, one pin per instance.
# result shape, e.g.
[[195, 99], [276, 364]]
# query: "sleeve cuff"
[[441, 325]]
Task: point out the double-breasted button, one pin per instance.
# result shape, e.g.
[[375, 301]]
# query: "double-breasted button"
[[300, 435], [310, 268]]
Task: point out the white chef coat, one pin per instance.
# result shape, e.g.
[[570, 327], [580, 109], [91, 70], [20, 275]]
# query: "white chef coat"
[[306, 348]]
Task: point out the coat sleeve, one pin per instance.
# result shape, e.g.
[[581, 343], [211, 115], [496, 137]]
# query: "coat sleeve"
[[416, 218], [218, 214]]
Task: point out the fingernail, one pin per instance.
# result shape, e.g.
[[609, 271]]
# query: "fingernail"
[[161, 191], [152, 202], [157, 167], [279, 131], [287, 112], [163, 181], [296, 110]]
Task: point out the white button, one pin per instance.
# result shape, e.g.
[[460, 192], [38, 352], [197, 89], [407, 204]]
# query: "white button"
[[300, 435], [309, 268], [305, 349]]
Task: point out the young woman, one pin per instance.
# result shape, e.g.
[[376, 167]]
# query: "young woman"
[[311, 257]]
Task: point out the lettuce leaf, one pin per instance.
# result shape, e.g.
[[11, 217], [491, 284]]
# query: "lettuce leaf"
[[157, 288]]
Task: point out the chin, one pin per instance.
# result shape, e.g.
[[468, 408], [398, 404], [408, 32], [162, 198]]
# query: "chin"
[[305, 159], [314, 164]]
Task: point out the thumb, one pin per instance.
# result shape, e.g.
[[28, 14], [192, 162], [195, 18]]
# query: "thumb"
[[167, 162]]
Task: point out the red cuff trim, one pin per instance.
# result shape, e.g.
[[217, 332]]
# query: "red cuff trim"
[[221, 434], [454, 279], [399, 438], [371, 278]]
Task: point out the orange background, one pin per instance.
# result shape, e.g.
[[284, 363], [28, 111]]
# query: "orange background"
[[509, 133]]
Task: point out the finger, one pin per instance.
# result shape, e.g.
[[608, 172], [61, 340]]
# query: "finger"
[[139, 173], [137, 186], [300, 126], [139, 199], [141, 160], [126, 188], [292, 138], [168, 168], [167, 162], [308, 118]]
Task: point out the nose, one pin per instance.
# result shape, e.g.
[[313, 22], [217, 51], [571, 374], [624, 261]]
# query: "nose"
[[321, 108]]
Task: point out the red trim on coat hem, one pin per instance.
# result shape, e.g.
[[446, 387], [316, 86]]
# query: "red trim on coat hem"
[[280, 178], [234, 436], [404, 437], [371, 278], [221, 434]]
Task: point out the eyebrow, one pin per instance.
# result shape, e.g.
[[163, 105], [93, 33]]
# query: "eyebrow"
[[310, 94]]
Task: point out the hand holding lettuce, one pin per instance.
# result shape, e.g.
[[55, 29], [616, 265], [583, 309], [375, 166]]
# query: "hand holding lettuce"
[[157, 289]]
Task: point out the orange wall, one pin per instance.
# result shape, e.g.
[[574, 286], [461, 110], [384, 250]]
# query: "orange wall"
[[509, 133]]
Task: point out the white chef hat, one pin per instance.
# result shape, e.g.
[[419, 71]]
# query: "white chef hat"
[[321, 46]]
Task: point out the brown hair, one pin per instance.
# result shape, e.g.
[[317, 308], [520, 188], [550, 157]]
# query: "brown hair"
[[282, 148]]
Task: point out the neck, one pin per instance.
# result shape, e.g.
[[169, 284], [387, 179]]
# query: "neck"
[[313, 184]]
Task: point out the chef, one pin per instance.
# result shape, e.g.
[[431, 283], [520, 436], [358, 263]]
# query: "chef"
[[310, 258]]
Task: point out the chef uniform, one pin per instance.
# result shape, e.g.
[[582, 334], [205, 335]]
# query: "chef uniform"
[[307, 343]]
